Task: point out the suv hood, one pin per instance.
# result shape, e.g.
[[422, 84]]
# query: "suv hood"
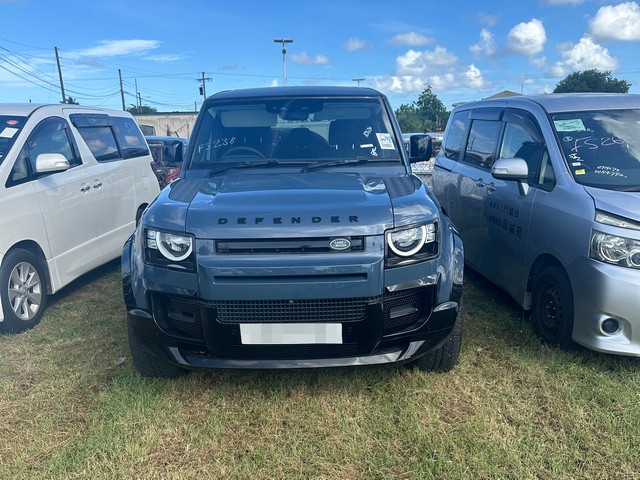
[[624, 204], [306, 204]]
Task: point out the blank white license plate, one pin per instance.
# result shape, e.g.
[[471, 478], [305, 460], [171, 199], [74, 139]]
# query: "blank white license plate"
[[290, 333]]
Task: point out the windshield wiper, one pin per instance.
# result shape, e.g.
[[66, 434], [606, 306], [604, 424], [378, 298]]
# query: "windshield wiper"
[[335, 163], [268, 163]]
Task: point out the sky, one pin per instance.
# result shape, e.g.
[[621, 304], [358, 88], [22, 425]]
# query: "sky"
[[463, 50]]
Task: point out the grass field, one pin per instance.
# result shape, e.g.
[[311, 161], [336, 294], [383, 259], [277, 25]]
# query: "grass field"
[[72, 406]]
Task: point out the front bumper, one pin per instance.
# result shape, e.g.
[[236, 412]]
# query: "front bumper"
[[193, 320], [600, 292]]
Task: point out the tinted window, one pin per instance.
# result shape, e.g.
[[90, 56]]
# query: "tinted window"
[[481, 144], [50, 136], [132, 143], [455, 135], [101, 142], [296, 129]]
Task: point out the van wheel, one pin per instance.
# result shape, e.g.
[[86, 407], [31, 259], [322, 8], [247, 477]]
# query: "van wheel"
[[22, 291], [552, 313], [444, 358], [147, 364]]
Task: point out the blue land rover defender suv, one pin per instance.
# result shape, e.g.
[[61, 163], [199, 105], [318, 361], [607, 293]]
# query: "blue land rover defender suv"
[[295, 237]]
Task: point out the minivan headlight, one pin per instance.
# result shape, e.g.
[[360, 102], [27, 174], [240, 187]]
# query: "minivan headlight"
[[168, 249], [615, 250], [412, 244]]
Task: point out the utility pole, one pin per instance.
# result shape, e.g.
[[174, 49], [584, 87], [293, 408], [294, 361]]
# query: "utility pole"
[[358, 80], [284, 42], [64, 98], [203, 88], [121, 90]]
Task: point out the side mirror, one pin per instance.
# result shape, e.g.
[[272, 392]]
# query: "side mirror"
[[420, 148], [512, 169], [51, 162]]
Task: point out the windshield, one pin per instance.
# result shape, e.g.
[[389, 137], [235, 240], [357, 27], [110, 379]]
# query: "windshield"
[[9, 129], [602, 148], [294, 131]]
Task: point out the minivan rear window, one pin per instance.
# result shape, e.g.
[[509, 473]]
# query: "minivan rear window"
[[602, 148], [455, 135]]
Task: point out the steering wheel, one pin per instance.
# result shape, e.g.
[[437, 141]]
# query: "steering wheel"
[[243, 148]]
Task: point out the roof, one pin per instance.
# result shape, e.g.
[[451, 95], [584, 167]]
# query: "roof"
[[565, 102], [320, 91], [26, 109], [164, 138]]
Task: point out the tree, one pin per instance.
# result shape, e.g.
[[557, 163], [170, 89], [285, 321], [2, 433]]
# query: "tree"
[[427, 114], [592, 81], [134, 110]]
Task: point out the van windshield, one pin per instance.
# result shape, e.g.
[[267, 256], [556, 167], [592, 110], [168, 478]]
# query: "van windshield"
[[284, 131], [602, 148], [9, 129]]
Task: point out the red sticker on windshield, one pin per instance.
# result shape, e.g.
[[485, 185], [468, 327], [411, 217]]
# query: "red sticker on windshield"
[[13, 122]]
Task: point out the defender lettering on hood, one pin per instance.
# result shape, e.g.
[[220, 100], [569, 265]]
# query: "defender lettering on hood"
[[292, 220]]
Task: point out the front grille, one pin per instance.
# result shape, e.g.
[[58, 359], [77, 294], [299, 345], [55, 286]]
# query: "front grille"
[[184, 316], [266, 246], [283, 311]]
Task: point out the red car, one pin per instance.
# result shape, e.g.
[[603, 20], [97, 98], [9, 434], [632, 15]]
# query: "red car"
[[167, 153]]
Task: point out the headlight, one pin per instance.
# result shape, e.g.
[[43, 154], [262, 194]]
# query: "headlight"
[[608, 219], [411, 244], [615, 250], [168, 249]]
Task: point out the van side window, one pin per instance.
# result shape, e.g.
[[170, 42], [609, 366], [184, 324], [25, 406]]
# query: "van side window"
[[522, 139], [132, 143], [50, 136], [455, 135], [101, 142], [481, 145]]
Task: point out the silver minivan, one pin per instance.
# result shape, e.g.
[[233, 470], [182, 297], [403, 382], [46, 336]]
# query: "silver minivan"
[[545, 191]]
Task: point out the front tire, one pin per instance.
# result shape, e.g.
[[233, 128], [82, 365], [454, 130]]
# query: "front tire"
[[23, 291], [552, 314], [444, 358], [147, 364]]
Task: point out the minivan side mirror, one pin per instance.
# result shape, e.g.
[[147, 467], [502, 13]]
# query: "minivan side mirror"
[[512, 169], [420, 148], [51, 162]]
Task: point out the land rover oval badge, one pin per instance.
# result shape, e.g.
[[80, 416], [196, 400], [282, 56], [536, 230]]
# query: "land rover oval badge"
[[340, 244]]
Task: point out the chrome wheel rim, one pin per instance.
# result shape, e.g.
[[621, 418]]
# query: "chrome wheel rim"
[[25, 291]]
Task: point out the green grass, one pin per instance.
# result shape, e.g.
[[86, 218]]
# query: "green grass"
[[70, 407]]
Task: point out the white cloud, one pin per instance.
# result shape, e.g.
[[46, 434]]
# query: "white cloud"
[[438, 68], [473, 78], [114, 48], [307, 59], [584, 55], [419, 63], [410, 39], [617, 22], [355, 44], [527, 38], [486, 47]]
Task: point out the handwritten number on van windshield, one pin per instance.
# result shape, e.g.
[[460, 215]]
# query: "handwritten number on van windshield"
[[592, 143]]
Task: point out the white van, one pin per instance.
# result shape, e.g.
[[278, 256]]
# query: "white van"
[[73, 183]]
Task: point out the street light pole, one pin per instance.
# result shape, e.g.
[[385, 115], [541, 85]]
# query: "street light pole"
[[284, 41], [358, 80]]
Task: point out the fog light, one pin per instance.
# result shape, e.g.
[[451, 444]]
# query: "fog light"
[[610, 326]]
